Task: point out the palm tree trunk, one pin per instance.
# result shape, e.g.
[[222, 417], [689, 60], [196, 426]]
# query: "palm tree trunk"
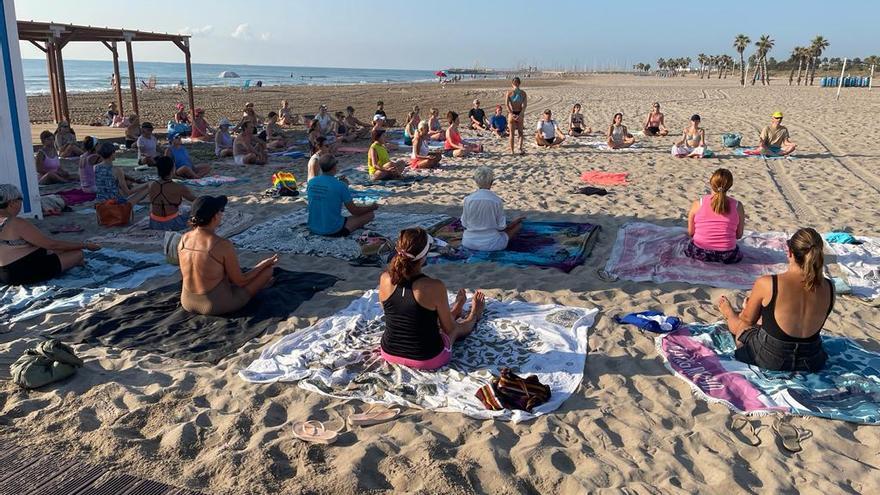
[[800, 64], [742, 70], [813, 74], [755, 75], [791, 76], [766, 71]]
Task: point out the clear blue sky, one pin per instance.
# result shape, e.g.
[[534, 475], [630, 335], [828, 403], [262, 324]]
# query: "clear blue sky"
[[416, 34]]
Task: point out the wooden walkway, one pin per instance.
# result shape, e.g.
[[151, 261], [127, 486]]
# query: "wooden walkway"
[[100, 132], [25, 471]]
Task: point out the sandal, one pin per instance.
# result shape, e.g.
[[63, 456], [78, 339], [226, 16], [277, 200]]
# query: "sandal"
[[790, 435], [314, 432], [373, 416], [738, 423]]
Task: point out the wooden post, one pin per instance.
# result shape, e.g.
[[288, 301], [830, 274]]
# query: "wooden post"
[[189, 76], [50, 70], [115, 51], [840, 85], [62, 86], [871, 78], [132, 82]]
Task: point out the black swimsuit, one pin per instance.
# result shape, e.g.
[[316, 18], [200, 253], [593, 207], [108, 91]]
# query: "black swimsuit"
[[411, 330]]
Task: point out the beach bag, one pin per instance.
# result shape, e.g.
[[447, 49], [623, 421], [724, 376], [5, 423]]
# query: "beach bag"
[[284, 184], [179, 128], [49, 362], [731, 139], [112, 213], [510, 391]]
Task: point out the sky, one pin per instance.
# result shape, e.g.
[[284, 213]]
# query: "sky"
[[412, 34]]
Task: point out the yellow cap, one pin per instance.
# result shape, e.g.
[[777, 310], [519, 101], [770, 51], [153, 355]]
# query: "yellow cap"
[[777, 115]]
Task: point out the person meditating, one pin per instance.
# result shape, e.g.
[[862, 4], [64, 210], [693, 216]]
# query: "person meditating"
[[201, 130], [379, 164], [715, 222], [421, 156], [246, 150], [181, 117], [222, 139], [547, 133], [618, 135], [110, 180], [147, 145], [498, 122], [165, 197], [775, 140], [477, 117], [132, 130], [693, 141], [434, 125], [454, 145], [576, 125], [409, 128], [517, 100], [27, 255], [49, 169], [420, 326], [327, 195], [654, 124], [65, 141], [779, 326], [361, 129], [213, 283], [485, 226], [183, 165], [286, 115], [87, 163]]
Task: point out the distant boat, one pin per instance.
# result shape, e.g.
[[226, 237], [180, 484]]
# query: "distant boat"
[[228, 74]]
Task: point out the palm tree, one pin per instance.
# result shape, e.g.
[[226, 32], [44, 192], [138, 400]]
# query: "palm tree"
[[764, 45], [817, 46], [701, 59], [740, 43], [795, 55], [802, 53], [661, 64]]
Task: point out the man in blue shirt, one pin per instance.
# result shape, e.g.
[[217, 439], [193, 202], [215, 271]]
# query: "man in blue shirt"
[[327, 195], [499, 122]]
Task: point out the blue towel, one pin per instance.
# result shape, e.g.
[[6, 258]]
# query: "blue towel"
[[841, 238], [647, 320]]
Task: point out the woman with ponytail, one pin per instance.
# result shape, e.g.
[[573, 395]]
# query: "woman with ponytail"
[[778, 328], [715, 222], [420, 326]]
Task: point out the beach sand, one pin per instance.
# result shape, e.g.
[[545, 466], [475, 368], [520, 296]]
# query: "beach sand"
[[630, 425]]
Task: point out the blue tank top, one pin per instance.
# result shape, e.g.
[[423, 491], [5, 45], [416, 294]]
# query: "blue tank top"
[[180, 157], [106, 185]]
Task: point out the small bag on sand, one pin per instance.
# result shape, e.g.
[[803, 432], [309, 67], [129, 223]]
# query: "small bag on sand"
[[112, 213], [731, 140], [284, 184], [49, 362], [510, 391]]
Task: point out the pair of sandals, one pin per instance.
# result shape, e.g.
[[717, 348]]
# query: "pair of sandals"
[[317, 432], [790, 435]]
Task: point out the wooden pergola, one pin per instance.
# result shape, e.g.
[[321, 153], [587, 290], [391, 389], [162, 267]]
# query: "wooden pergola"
[[51, 38]]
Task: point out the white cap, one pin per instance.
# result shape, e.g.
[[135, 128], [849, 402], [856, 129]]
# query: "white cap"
[[378, 117]]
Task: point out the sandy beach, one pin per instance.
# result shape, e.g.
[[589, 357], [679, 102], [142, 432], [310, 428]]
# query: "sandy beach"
[[630, 427]]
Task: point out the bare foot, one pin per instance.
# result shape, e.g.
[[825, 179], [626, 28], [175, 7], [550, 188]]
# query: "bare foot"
[[725, 307], [478, 304], [460, 299]]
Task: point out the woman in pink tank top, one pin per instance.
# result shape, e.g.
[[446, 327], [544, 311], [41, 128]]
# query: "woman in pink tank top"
[[715, 222]]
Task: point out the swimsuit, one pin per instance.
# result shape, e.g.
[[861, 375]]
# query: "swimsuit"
[[163, 220], [222, 299], [36, 266], [412, 334], [618, 134], [51, 164]]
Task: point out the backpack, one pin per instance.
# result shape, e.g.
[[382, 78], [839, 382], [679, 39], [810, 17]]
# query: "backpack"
[[49, 362], [510, 391], [284, 184], [731, 140]]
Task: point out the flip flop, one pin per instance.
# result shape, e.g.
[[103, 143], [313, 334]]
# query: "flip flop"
[[790, 435], [373, 416], [314, 432], [738, 423]]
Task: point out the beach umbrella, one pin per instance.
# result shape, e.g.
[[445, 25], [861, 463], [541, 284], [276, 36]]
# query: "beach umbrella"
[[227, 74], [440, 73]]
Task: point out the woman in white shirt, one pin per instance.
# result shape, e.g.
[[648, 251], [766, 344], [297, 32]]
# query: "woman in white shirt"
[[547, 134], [485, 226]]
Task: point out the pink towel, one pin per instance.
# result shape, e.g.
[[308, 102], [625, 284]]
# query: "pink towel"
[[604, 178], [76, 196]]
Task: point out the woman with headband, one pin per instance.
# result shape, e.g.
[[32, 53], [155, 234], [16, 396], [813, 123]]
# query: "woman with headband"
[[420, 326]]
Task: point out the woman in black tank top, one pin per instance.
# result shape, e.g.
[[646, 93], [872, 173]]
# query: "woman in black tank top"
[[420, 326], [760, 338]]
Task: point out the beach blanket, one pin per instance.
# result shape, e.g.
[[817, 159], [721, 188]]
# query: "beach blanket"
[[647, 252], [155, 322], [602, 145], [289, 233], [288, 154], [105, 272], [339, 357], [848, 388], [860, 263], [369, 196], [213, 180], [126, 161], [141, 234], [560, 245], [753, 152], [360, 178], [599, 178], [73, 197]]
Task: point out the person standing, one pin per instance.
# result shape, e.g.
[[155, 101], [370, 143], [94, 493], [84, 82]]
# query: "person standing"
[[517, 100]]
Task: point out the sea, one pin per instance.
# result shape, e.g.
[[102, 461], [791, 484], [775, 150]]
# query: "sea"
[[92, 75]]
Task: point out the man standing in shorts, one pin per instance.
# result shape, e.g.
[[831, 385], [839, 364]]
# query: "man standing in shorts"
[[516, 107]]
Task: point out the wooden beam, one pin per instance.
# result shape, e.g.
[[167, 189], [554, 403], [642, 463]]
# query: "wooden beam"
[[53, 81], [62, 86], [189, 76], [116, 74], [42, 49], [132, 82]]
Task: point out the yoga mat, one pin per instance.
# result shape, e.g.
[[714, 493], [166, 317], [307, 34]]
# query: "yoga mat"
[[213, 181], [560, 245], [141, 234], [105, 272], [847, 389], [647, 252], [360, 178], [75, 197], [155, 322], [603, 146], [745, 152], [338, 357], [289, 233], [599, 178]]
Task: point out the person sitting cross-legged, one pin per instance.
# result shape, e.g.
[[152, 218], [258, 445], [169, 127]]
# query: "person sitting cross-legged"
[[327, 195]]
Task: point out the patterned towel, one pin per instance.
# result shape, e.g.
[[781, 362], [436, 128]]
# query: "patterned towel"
[[848, 388], [753, 152], [647, 252], [861, 265], [339, 357], [290, 233], [141, 234], [213, 180], [560, 245], [105, 272]]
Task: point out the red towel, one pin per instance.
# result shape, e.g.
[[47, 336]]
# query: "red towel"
[[604, 178], [76, 196]]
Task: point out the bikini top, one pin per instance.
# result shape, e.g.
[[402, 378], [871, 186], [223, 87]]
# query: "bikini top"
[[516, 96], [771, 326], [577, 119], [166, 202], [654, 119], [206, 251], [13, 242]]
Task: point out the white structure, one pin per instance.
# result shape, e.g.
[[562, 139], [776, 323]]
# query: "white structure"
[[16, 152]]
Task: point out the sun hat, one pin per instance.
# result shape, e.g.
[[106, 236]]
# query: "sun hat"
[[204, 208], [777, 115], [224, 122], [179, 106]]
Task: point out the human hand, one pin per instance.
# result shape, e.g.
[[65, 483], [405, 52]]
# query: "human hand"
[[91, 246]]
